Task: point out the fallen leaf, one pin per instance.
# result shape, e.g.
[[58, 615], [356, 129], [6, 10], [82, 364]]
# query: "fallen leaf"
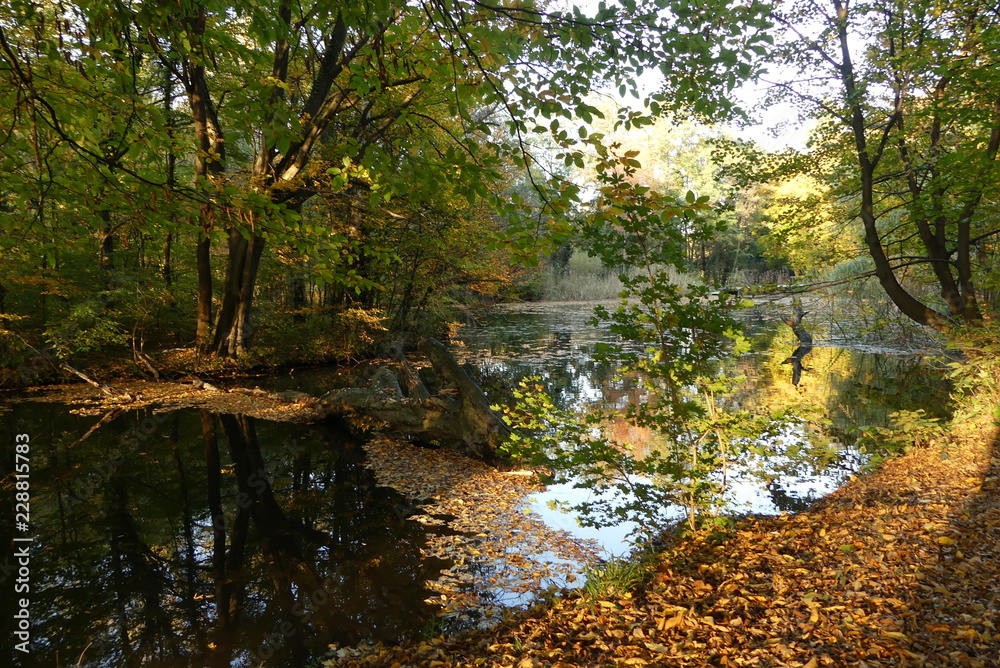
[[667, 624]]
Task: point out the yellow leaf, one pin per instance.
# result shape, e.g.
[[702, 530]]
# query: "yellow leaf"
[[813, 662], [667, 624], [896, 634], [945, 540]]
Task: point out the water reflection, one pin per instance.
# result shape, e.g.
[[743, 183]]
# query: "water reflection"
[[187, 538], [837, 386]]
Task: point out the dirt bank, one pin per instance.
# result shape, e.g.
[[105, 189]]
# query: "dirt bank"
[[165, 396]]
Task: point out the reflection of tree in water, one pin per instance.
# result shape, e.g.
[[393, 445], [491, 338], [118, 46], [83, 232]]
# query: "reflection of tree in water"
[[321, 571], [795, 359], [843, 389], [106, 590], [554, 341], [193, 549], [835, 390], [850, 387], [786, 502]]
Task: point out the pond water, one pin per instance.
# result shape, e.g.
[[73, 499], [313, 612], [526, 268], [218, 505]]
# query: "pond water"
[[850, 379], [187, 538]]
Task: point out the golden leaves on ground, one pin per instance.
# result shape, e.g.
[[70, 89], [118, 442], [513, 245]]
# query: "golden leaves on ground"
[[901, 568], [169, 396], [502, 555]]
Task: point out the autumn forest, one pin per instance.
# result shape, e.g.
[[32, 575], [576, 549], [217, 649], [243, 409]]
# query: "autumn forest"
[[201, 198]]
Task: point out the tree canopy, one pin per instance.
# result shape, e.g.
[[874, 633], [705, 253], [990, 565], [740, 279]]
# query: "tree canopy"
[[906, 98], [220, 121], [177, 155]]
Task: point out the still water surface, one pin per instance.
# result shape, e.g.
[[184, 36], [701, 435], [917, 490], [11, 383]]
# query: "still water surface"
[[850, 379], [186, 538]]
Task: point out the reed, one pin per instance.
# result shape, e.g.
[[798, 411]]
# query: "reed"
[[586, 279]]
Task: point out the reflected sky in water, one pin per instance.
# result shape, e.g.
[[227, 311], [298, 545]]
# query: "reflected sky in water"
[[839, 386]]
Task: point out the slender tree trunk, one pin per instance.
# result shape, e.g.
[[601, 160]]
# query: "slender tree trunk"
[[298, 298], [907, 303], [208, 163], [42, 299], [168, 100], [107, 254], [204, 315], [167, 272]]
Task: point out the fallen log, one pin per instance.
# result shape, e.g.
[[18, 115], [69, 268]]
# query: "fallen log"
[[108, 390], [458, 415]]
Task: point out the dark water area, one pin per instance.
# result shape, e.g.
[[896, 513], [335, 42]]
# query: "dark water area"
[[191, 539]]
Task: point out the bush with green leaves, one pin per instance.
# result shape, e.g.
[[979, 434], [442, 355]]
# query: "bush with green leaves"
[[669, 342], [976, 374], [907, 429], [617, 577]]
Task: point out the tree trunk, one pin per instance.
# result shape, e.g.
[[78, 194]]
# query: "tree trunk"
[[208, 162], [932, 196], [907, 303], [107, 254], [167, 271], [171, 168], [204, 315], [232, 330], [298, 300]]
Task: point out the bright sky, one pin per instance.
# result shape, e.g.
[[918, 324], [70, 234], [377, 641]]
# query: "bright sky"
[[779, 126]]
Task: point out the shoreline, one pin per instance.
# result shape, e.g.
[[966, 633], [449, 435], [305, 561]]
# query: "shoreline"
[[900, 567]]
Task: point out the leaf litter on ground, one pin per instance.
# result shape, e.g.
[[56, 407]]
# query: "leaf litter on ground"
[[502, 554], [897, 568]]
